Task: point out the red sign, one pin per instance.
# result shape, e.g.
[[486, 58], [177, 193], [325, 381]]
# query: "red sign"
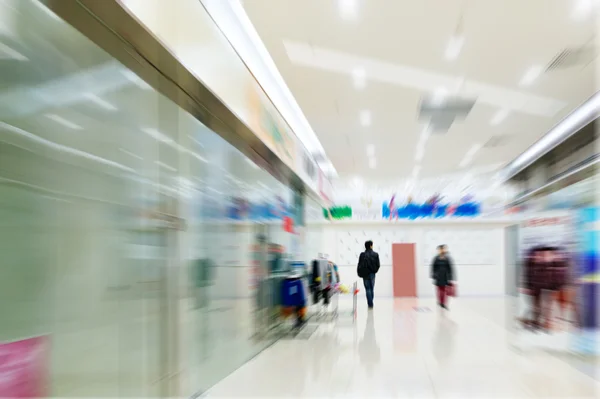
[[24, 368], [288, 224]]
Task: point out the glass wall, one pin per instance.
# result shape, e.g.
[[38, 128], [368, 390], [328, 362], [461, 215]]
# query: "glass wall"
[[135, 241]]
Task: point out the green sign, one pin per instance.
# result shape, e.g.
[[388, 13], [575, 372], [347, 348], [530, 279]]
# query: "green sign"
[[338, 212]]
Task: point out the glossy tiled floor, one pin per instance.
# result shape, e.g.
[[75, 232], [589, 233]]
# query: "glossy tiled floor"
[[409, 348]]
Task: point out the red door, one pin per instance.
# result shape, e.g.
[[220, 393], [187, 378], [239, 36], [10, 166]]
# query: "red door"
[[404, 270]]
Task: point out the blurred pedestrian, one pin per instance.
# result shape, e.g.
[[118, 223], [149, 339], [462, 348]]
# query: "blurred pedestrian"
[[368, 266], [442, 273]]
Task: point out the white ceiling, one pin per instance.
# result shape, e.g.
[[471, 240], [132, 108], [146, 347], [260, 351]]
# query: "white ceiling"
[[396, 51]]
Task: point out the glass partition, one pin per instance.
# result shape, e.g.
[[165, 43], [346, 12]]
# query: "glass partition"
[[131, 234]]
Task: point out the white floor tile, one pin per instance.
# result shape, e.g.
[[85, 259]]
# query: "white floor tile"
[[408, 348]]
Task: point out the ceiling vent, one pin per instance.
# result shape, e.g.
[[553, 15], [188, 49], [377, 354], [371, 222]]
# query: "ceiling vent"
[[572, 57], [497, 141], [441, 114]]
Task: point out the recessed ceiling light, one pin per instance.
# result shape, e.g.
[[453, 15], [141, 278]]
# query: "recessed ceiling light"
[[100, 102], [455, 45], [582, 9], [365, 117], [359, 77], [63, 121], [348, 9], [372, 163], [499, 117], [371, 150], [531, 75]]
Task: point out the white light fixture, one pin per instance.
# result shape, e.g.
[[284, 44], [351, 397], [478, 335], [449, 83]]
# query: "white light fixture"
[[100, 102], [454, 47], [469, 155], [582, 9], [157, 135], [365, 117], [371, 150], [531, 75], [580, 117], [372, 163], [63, 121], [499, 117], [359, 77], [348, 9]]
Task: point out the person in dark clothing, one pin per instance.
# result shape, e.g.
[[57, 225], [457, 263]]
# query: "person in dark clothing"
[[368, 266], [442, 273]]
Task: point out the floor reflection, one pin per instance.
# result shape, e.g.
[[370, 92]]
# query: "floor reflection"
[[444, 337], [368, 349]]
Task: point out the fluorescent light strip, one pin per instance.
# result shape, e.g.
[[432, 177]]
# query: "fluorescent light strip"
[[553, 182], [63, 121], [348, 9], [100, 102], [235, 24], [372, 163], [570, 125]]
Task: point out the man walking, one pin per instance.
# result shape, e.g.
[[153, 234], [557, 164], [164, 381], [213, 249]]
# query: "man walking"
[[368, 266]]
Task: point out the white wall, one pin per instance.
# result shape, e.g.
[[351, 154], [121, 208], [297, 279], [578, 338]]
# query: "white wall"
[[476, 247]]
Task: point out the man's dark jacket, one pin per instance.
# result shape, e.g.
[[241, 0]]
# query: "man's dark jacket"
[[368, 264]]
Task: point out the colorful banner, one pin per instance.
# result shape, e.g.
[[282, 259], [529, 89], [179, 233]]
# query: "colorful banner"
[[24, 368]]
